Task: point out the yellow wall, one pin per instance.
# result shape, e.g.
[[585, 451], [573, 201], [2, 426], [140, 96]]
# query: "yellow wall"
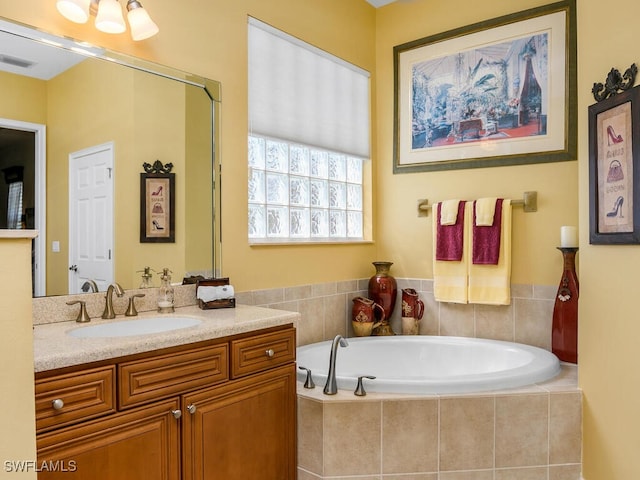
[[609, 370], [17, 425], [28, 104], [609, 326]]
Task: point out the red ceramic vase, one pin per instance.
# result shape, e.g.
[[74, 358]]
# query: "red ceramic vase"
[[383, 289]]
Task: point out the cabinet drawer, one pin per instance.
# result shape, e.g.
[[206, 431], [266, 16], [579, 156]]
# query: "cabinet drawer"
[[261, 352], [65, 399], [151, 379]]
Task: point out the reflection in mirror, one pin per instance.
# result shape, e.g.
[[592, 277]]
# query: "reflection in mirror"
[[79, 127]]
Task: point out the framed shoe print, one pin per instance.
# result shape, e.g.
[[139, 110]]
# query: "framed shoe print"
[[157, 203], [614, 174]]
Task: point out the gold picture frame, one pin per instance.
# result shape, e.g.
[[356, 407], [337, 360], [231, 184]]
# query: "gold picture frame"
[[498, 92]]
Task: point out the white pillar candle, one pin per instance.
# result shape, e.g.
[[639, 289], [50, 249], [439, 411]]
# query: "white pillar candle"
[[568, 237]]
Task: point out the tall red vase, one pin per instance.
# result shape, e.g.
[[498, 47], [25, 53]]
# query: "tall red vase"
[[564, 333], [383, 290]]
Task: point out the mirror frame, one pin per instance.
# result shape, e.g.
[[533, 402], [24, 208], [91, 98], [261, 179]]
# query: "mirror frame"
[[212, 89]]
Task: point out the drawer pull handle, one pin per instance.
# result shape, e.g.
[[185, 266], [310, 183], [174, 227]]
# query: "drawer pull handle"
[[57, 404], [270, 353], [191, 408], [176, 413]]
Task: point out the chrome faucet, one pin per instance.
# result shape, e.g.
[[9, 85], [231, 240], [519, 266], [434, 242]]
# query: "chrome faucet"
[[108, 306], [89, 285], [331, 387]]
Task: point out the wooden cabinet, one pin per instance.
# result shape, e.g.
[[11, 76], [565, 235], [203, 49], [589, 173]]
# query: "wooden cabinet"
[[137, 444], [154, 378], [244, 430], [65, 399], [219, 410]]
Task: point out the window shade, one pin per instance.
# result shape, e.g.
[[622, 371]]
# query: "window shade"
[[300, 93]]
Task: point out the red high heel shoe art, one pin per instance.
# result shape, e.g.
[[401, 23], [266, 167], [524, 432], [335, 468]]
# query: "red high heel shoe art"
[[157, 192], [613, 138]]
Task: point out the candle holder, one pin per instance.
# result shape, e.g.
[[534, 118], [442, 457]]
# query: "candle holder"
[[564, 332]]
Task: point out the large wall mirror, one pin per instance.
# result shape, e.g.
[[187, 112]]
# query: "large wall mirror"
[[76, 125]]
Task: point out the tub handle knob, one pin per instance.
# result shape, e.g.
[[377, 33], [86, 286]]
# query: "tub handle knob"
[[360, 388], [308, 383]]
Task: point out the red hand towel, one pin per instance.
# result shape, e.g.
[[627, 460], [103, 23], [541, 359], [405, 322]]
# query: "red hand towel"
[[450, 238], [486, 240]]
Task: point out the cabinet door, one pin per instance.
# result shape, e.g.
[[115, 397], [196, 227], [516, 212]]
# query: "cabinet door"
[[243, 430], [139, 444]]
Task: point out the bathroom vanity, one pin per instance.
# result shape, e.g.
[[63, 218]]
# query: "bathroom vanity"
[[220, 408]]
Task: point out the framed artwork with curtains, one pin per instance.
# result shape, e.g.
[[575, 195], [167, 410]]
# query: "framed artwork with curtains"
[[498, 92]]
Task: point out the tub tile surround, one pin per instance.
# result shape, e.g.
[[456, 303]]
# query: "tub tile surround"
[[326, 311], [530, 433]]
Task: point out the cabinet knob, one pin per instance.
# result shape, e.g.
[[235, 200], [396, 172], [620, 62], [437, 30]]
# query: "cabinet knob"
[[57, 404], [270, 353], [176, 413], [191, 408]]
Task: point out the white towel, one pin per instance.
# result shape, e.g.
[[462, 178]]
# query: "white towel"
[[208, 294], [449, 212], [485, 211]]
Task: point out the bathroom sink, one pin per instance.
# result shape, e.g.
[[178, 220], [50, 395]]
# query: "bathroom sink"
[[141, 326]]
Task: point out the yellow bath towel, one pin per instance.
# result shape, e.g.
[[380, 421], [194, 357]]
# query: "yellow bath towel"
[[491, 284], [450, 277], [485, 210], [449, 212]]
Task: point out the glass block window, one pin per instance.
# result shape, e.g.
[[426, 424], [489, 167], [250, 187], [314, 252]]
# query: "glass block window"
[[303, 193], [309, 134]]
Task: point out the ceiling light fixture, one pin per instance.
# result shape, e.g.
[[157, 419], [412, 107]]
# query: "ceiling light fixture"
[[109, 17]]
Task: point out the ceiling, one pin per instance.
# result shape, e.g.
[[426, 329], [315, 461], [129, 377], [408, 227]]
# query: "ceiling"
[[380, 3]]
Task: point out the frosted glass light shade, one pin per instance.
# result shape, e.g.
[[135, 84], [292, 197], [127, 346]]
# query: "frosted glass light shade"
[[75, 10], [142, 27], [109, 18]]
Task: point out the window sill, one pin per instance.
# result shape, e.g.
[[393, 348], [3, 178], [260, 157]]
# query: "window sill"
[[306, 242]]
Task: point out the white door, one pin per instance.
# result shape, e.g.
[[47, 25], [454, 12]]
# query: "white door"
[[91, 217]]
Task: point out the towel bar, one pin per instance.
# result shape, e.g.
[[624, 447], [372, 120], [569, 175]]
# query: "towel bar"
[[529, 203]]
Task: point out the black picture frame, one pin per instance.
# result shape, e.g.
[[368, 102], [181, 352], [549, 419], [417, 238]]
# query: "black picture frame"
[[554, 140], [157, 208], [614, 169]]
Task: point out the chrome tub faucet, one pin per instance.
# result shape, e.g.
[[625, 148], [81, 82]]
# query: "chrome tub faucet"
[[331, 387]]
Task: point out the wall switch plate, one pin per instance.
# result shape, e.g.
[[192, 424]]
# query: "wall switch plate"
[[55, 246]]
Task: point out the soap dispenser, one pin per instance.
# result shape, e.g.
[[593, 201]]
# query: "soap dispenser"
[[165, 293], [146, 277]]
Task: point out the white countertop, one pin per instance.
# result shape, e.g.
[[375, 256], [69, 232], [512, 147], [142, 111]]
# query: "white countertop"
[[54, 348]]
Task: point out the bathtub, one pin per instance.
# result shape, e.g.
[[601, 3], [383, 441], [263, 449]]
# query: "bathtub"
[[430, 364]]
